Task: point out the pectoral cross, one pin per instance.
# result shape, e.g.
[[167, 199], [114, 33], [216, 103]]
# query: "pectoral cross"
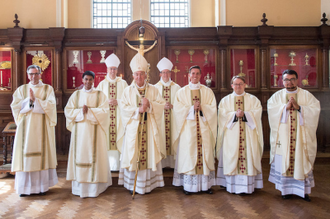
[[279, 144]]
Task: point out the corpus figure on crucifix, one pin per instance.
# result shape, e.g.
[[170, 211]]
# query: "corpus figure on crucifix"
[[293, 115], [113, 87], [195, 115], [240, 140], [168, 89]]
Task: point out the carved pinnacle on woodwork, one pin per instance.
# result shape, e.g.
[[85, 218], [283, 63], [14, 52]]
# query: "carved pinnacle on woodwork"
[[264, 20], [16, 21], [324, 19]]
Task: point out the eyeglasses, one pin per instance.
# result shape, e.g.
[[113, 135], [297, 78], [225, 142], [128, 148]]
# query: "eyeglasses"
[[292, 80], [113, 69], [165, 72], [240, 84], [33, 74]]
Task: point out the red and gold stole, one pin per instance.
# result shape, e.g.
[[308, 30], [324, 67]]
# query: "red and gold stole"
[[292, 135], [113, 120], [142, 137], [167, 114], [195, 96], [241, 164]]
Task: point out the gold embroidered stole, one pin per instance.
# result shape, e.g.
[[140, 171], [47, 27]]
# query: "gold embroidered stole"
[[113, 120], [142, 137], [195, 96], [167, 114], [292, 135], [26, 90], [242, 163]]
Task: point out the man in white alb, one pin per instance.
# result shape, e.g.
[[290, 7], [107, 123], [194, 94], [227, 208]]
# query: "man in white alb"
[[293, 115], [168, 89], [240, 140], [34, 155], [113, 87], [87, 118], [195, 113]]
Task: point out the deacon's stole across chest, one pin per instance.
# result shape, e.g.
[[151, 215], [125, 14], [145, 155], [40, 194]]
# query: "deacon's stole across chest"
[[167, 115], [42, 153], [242, 162], [196, 96], [92, 164], [142, 132], [292, 134], [113, 120]]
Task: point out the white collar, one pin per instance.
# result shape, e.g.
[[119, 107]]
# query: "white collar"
[[87, 91], [194, 86], [142, 86], [235, 94], [112, 81], [36, 85], [166, 83], [292, 92]]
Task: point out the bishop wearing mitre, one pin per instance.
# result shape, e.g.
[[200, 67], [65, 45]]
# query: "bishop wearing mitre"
[[168, 89], [113, 87], [142, 111]]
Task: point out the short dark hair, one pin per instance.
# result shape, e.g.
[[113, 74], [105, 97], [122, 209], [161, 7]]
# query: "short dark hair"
[[195, 66], [88, 73], [290, 72], [33, 67], [239, 77]]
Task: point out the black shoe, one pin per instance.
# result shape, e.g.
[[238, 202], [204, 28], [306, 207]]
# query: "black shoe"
[[23, 195], [186, 192], [131, 192], [42, 193], [244, 194], [222, 187], [286, 196], [209, 191], [306, 198]]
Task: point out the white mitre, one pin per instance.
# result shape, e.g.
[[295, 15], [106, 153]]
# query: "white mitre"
[[138, 63], [164, 63], [112, 61]]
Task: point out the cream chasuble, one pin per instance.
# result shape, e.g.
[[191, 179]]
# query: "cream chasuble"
[[188, 159], [294, 140], [34, 145], [114, 90], [242, 145], [151, 145], [168, 93], [88, 162]]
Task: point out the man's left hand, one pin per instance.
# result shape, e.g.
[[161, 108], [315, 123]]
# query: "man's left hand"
[[113, 102], [294, 103]]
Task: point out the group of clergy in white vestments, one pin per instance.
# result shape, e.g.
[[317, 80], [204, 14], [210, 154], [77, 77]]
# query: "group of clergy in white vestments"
[[141, 128]]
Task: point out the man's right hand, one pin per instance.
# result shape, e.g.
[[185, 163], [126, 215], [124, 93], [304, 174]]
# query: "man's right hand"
[[289, 105], [197, 106]]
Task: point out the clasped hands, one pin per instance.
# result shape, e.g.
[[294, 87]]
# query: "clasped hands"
[[113, 102], [32, 96], [168, 105], [197, 106], [145, 105], [239, 113], [292, 104]]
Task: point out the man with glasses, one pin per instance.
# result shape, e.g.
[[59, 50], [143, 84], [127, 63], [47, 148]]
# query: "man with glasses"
[[293, 115], [168, 89], [34, 155], [240, 140], [113, 87], [195, 116]]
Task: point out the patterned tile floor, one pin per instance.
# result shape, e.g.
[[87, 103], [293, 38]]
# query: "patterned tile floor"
[[168, 202]]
